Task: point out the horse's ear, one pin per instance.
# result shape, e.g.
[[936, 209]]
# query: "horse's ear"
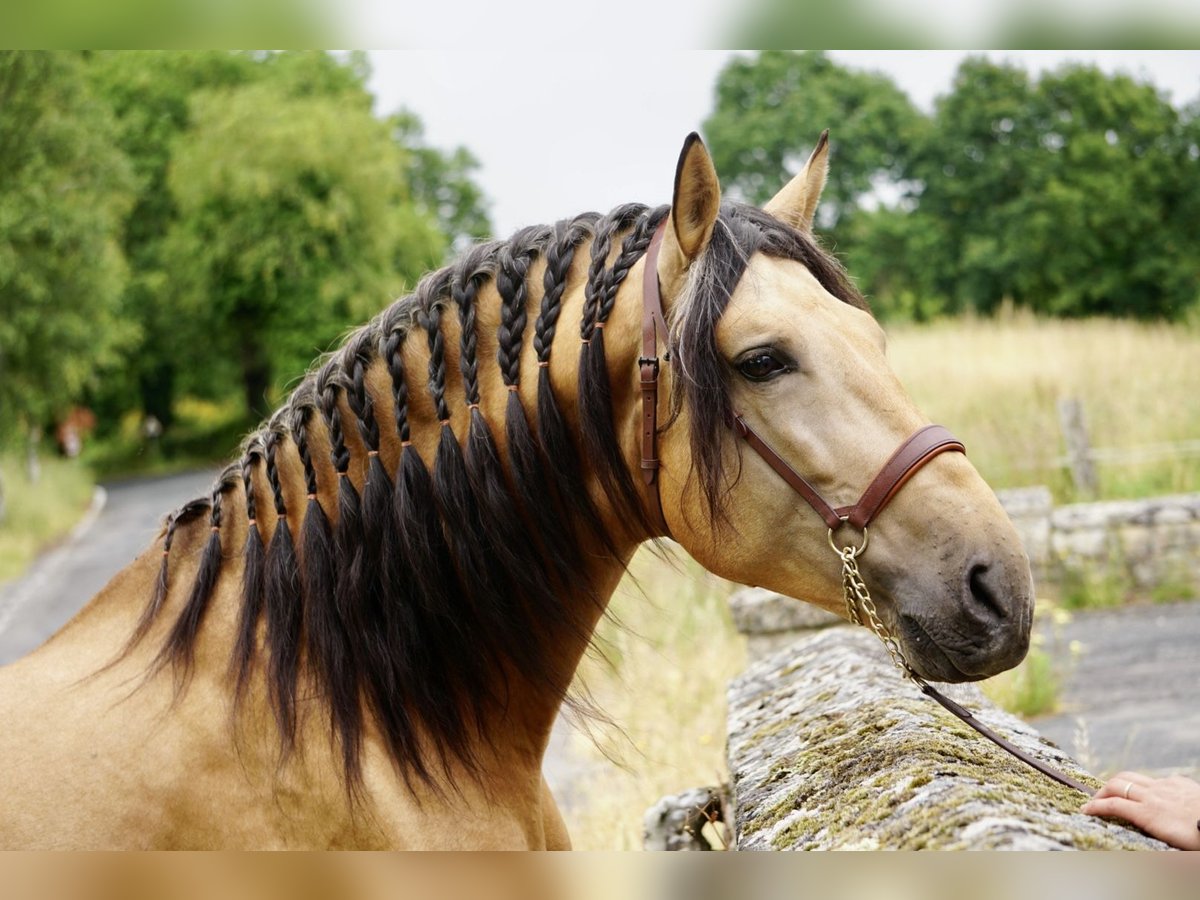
[[796, 202], [694, 208]]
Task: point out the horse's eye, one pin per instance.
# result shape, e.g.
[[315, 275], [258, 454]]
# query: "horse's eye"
[[761, 366]]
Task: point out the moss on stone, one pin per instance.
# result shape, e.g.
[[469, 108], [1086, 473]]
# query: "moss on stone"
[[833, 756]]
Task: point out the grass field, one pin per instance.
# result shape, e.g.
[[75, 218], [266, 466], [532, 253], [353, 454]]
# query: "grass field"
[[39, 514], [995, 383]]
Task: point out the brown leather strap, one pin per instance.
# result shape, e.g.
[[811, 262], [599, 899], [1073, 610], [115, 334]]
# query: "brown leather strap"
[[919, 449], [910, 456], [648, 365], [794, 479], [967, 716]]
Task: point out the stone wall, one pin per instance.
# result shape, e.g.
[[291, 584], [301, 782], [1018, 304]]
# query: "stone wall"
[[1141, 544], [829, 748]]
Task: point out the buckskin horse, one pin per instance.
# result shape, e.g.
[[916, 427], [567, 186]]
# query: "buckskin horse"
[[363, 636]]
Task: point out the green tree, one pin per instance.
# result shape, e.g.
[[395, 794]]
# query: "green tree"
[[1065, 195], [293, 221], [770, 108], [64, 189], [155, 98], [149, 93], [441, 183]]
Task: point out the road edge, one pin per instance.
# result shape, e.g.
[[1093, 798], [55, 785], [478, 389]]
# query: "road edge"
[[15, 593]]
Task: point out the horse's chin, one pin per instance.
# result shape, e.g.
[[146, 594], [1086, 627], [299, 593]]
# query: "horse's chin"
[[934, 661]]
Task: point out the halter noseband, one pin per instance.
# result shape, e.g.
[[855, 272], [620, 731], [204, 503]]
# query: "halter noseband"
[[917, 450]]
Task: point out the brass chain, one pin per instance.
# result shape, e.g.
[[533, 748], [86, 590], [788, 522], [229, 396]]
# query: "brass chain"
[[859, 605]]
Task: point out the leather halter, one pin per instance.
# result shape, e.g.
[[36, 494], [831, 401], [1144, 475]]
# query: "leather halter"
[[917, 450], [910, 456], [648, 365]]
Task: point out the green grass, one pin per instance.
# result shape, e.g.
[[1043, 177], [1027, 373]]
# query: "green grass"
[[1090, 589], [1033, 688], [39, 514]]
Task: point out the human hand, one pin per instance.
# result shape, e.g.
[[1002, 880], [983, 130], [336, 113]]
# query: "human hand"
[[1167, 808]]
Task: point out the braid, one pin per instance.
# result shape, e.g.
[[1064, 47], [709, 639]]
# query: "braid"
[[180, 643], [421, 541], [269, 444], [357, 359], [187, 513], [632, 249], [560, 253], [393, 355], [469, 274], [371, 572], [333, 563], [430, 319], [534, 486], [596, 424], [253, 574], [562, 461], [593, 288], [300, 411], [250, 458], [594, 291], [282, 590], [468, 362], [330, 381], [514, 261]]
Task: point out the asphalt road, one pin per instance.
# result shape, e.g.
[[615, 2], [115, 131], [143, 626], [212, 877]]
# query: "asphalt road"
[[1131, 695], [64, 579]]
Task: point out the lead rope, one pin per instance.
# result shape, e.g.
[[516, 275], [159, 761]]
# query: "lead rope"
[[861, 607]]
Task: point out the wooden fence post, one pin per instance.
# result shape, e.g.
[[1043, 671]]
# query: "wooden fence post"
[[1079, 447]]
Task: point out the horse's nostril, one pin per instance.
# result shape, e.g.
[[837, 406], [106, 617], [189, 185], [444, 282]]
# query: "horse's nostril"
[[983, 592]]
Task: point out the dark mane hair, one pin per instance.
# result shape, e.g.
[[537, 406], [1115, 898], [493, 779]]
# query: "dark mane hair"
[[417, 602]]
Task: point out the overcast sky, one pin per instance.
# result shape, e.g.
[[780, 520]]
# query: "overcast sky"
[[558, 133]]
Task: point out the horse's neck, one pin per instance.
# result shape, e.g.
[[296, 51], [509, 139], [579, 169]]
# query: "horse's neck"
[[531, 708]]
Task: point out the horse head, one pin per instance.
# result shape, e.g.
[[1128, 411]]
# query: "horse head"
[[766, 329]]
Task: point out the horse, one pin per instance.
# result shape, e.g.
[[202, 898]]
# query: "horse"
[[363, 635]]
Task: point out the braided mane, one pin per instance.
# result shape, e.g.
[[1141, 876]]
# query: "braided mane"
[[436, 586]]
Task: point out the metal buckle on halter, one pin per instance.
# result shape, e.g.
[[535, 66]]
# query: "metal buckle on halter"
[[649, 361]]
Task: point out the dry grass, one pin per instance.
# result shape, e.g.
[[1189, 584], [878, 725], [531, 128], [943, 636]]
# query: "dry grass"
[[996, 383], [671, 651]]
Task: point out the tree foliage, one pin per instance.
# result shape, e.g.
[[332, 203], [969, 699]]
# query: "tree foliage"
[[293, 222], [442, 184], [1061, 195], [1073, 194], [169, 108], [202, 222], [63, 192], [771, 108]]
